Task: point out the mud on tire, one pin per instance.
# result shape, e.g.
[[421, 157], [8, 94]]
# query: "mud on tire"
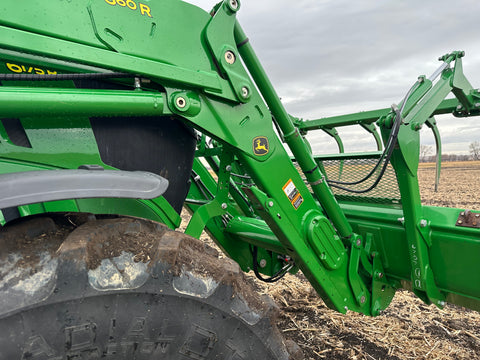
[[125, 289]]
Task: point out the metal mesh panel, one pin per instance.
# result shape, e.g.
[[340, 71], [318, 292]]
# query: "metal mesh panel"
[[351, 170]]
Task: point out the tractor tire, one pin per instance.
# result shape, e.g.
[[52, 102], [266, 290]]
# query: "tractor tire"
[[125, 288]]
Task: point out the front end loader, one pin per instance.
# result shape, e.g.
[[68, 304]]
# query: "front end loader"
[[116, 114]]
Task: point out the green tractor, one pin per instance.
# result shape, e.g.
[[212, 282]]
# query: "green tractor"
[[116, 114]]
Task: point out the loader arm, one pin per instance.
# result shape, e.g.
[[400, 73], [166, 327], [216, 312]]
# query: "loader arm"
[[106, 71]]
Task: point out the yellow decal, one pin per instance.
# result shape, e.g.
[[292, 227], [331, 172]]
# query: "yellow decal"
[[144, 9], [132, 5], [260, 146], [22, 69]]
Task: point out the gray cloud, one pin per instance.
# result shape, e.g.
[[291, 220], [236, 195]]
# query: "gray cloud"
[[330, 57]]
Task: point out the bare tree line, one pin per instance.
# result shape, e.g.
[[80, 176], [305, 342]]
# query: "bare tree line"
[[427, 153]]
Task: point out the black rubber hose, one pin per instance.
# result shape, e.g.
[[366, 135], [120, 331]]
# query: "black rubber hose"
[[275, 277], [386, 154], [395, 130]]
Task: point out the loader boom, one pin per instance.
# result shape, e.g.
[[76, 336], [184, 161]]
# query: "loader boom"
[[354, 224]]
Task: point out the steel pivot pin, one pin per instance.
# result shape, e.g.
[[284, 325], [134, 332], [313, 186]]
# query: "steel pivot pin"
[[230, 57], [245, 92], [233, 4]]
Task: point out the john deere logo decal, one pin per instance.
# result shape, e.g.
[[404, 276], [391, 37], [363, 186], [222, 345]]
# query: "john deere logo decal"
[[260, 145]]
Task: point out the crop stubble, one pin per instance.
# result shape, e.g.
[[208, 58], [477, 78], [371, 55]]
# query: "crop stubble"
[[407, 329]]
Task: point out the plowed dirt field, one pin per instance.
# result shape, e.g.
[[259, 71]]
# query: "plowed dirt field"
[[408, 329]]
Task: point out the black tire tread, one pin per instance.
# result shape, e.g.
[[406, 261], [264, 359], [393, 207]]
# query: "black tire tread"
[[126, 288]]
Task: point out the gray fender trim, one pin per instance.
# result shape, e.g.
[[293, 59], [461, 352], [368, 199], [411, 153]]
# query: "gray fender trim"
[[22, 188]]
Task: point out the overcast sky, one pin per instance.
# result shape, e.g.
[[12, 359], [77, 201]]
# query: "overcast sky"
[[332, 57]]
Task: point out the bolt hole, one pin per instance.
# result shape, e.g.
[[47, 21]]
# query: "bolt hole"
[[234, 4], [181, 102]]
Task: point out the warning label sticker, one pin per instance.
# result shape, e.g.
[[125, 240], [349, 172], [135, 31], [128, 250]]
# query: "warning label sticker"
[[297, 201], [293, 194]]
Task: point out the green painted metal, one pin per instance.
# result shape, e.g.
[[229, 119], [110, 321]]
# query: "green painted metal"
[[245, 190], [452, 253], [432, 124], [292, 136], [23, 102], [447, 106]]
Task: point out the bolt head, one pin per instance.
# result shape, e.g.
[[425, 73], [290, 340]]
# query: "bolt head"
[[270, 203], [423, 223], [230, 57], [459, 107], [363, 299], [224, 206], [138, 83], [359, 242], [262, 263], [228, 168]]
